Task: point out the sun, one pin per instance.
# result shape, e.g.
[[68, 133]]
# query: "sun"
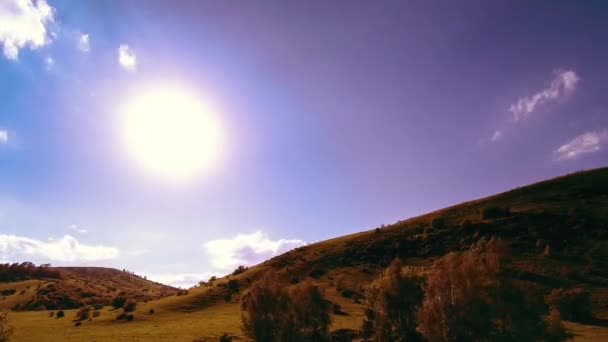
[[171, 132]]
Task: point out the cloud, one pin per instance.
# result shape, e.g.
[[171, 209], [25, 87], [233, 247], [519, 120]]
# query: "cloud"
[[246, 249], [563, 84], [184, 280], [84, 44], [496, 136], [3, 136], [67, 249], [78, 229], [127, 58], [50, 63], [585, 143], [24, 23]]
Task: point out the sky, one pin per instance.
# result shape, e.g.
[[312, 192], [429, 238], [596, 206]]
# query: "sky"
[[319, 119]]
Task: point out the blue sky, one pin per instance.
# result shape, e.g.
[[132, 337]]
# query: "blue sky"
[[336, 117]]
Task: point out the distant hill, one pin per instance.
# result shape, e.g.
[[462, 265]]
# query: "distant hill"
[[28, 287]]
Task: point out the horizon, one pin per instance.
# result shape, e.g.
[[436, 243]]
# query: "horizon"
[[317, 123]]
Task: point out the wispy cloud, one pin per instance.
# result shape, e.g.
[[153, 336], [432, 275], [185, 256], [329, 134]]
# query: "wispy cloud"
[[3, 136], [77, 229], [246, 249], [67, 249], [84, 44], [496, 136], [183, 280], [127, 58], [24, 23], [585, 143], [50, 63], [564, 83]]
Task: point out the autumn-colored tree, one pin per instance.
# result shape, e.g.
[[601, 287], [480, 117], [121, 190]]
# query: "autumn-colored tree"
[[391, 305], [271, 312]]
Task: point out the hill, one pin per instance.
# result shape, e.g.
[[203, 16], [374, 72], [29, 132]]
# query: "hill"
[[557, 231], [49, 288]]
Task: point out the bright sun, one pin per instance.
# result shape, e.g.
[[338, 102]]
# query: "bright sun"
[[171, 132]]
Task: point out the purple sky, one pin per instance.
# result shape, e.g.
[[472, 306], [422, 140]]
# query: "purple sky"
[[339, 116]]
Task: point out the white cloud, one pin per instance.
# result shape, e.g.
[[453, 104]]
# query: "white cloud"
[[3, 136], [564, 83], [24, 23], [77, 229], [184, 280], [84, 44], [50, 63], [246, 249], [67, 249], [496, 136], [127, 58], [585, 143]]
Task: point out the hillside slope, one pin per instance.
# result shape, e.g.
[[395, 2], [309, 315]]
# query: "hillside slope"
[[72, 287]]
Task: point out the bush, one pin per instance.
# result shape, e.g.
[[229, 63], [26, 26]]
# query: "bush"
[[151, 312], [273, 313], [52, 314], [233, 285], [6, 330], [125, 317], [130, 306], [119, 301], [239, 270], [572, 304], [225, 338], [438, 223], [495, 212], [96, 313], [60, 314], [84, 313]]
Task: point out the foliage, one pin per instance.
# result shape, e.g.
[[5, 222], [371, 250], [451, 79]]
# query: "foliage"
[[84, 313], [271, 312], [572, 304], [467, 297], [240, 270], [27, 270], [60, 314], [392, 301], [129, 306], [119, 301]]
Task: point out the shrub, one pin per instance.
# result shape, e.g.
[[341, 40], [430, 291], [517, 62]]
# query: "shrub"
[[52, 314], [239, 270], [572, 304], [130, 306], [96, 313], [495, 212], [392, 302], [6, 330], [233, 285], [271, 312], [125, 317], [60, 314], [438, 223], [77, 324], [84, 313], [151, 312], [225, 338], [119, 301]]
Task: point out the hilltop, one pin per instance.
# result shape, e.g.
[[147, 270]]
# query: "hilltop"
[[557, 231], [50, 288]]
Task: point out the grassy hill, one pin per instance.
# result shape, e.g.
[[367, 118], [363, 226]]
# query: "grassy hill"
[[557, 231], [73, 287]]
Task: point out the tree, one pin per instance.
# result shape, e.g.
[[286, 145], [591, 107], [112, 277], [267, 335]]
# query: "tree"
[[271, 312], [467, 297], [392, 302]]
